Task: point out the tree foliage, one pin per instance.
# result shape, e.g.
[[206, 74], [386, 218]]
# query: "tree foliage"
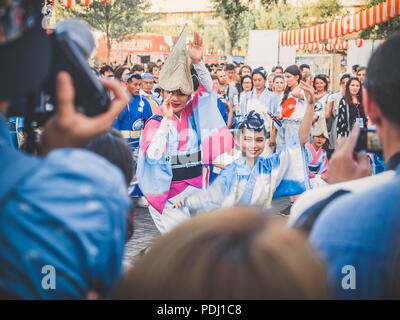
[[116, 19], [323, 10], [383, 30], [279, 16], [233, 13]]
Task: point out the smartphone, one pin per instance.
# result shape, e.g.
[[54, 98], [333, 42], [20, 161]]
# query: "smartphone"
[[275, 119], [368, 141]]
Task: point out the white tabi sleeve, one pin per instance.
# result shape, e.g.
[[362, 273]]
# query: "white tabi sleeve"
[[204, 76], [157, 146]]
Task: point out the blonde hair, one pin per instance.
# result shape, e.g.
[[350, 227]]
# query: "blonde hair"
[[237, 253]]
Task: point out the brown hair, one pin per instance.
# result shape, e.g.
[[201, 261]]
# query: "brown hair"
[[237, 253], [244, 67], [347, 94], [294, 71]]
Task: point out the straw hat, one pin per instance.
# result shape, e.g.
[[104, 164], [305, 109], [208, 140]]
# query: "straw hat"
[[175, 73]]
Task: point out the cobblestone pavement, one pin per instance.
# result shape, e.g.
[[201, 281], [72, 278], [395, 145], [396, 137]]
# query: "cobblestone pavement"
[[146, 231]]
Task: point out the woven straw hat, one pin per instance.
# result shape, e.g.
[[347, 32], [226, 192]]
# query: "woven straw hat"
[[175, 73]]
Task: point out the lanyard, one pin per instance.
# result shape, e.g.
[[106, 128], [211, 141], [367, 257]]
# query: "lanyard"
[[358, 110]]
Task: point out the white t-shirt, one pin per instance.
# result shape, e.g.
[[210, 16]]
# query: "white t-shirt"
[[300, 107]]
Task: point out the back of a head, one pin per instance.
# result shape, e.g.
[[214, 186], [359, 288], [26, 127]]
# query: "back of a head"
[[113, 147], [293, 70], [230, 67], [383, 81], [303, 66], [137, 68], [237, 253], [105, 69]]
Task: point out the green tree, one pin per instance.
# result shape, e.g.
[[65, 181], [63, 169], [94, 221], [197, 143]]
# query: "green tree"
[[116, 19], [279, 15], [324, 10], [233, 14], [383, 30]]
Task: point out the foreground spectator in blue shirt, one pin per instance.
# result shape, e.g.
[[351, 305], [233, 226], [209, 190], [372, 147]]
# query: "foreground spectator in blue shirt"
[[357, 233], [63, 223]]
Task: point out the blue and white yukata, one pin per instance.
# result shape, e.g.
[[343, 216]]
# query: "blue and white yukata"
[[282, 174], [317, 162]]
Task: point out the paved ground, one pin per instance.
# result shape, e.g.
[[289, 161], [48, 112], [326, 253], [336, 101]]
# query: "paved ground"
[[146, 231]]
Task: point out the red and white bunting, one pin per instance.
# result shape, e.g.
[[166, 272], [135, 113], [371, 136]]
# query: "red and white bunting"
[[339, 27], [68, 3], [86, 2]]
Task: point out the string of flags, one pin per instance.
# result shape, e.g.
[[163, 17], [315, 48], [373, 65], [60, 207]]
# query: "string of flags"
[[309, 37]]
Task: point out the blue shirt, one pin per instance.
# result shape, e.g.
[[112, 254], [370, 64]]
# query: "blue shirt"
[[70, 213], [132, 119], [267, 98], [361, 230], [222, 110]]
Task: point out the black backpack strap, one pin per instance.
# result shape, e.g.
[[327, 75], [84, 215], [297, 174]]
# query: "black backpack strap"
[[306, 221]]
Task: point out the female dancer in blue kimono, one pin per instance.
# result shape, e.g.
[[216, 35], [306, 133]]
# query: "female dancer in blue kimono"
[[264, 102], [252, 179]]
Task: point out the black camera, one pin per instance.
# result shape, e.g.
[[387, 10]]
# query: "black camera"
[[70, 44], [368, 141]]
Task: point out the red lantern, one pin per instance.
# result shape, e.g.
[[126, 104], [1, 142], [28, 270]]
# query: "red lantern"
[[301, 47], [338, 46], [219, 52], [235, 52], [345, 45], [321, 47], [68, 3], [335, 41], [329, 47], [329, 41], [359, 43], [86, 2], [315, 46], [310, 47]]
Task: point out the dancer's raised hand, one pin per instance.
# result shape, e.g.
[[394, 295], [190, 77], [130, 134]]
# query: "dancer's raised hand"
[[195, 50]]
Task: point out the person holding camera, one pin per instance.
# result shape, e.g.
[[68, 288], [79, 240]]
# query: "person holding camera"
[[354, 224], [63, 215]]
